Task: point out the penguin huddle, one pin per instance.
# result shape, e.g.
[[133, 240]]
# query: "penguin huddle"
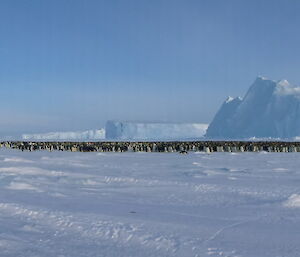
[[182, 147]]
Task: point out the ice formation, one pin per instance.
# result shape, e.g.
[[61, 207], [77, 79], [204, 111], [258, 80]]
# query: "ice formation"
[[78, 135], [154, 131], [270, 109]]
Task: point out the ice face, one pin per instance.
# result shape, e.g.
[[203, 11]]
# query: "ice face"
[[153, 131], [269, 109]]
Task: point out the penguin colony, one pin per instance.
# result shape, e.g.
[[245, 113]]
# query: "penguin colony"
[[180, 147]]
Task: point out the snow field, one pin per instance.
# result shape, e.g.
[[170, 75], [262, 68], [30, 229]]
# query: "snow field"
[[149, 204]]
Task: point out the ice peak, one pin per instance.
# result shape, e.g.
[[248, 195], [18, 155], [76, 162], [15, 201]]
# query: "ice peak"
[[283, 83], [270, 109]]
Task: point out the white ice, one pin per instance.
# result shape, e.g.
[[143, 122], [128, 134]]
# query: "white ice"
[[122, 130], [149, 204], [70, 135], [270, 109]]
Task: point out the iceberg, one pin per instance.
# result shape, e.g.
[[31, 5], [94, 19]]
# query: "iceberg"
[[76, 136], [122, 130], [270, 109]]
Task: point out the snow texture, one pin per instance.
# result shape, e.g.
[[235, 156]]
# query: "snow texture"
[[119, 130], [76, 136], [149, 204], [270, 109]]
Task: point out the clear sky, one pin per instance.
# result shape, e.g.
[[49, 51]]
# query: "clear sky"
[[73, 64]]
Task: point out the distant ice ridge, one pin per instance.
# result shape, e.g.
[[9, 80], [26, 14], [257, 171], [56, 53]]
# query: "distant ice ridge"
[[117, 130], [270, 109], [78, 135], [121, 130]]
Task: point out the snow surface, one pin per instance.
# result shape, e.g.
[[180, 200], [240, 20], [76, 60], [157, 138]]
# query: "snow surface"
[[270, 109], [78, 135], [149, 204], [121, 130]]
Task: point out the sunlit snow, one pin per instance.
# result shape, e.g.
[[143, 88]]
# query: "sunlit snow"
[[149, 204]]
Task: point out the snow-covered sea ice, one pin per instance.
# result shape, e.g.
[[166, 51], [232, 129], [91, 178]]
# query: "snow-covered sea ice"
[[149, 204]]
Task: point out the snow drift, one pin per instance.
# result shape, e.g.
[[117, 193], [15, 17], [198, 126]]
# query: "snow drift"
[[154, 131], [270, 109], [79, 135]]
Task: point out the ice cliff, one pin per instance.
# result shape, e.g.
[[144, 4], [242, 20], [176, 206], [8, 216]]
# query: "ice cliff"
[[120, 130]]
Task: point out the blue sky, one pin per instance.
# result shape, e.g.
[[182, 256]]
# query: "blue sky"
[[73, 64]]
